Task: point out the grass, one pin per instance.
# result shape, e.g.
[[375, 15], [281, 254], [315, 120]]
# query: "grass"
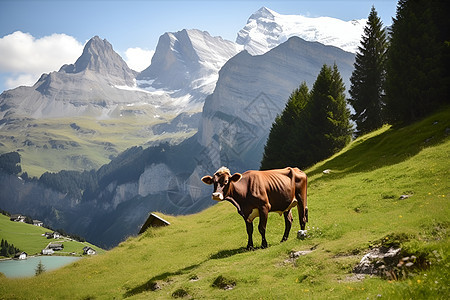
[[80, 143], [29, 238], [353, 208]]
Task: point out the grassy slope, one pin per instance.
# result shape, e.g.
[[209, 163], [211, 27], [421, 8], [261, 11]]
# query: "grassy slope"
[[53, 145], [29, 238], [355, 206]]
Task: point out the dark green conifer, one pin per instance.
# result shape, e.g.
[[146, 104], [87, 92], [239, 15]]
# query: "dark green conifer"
[[417, 79], [285, 136], [367, 80], [328, 128], [313, 126]]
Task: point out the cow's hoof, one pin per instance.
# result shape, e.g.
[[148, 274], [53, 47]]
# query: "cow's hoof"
[[250, 248], [264, 245], [301, 234], [284, 239]]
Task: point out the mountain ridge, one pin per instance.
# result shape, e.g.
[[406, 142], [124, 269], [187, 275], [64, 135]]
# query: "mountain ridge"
[[236, 115], [266, 28]]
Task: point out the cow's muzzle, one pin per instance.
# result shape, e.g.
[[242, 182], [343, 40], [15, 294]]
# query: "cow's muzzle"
[[217, 196]]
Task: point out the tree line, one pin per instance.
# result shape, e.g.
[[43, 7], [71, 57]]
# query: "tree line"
[[401, 75], [8, 250]]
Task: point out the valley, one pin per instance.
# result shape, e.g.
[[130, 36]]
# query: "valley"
[[355, 207], [82, 143]]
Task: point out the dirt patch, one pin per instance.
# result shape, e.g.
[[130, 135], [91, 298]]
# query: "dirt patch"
[[353, 278], [294, 255], [224, 283]]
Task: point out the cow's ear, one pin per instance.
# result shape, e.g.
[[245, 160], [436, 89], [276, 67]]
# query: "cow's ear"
[[236, 177], [207, 179]]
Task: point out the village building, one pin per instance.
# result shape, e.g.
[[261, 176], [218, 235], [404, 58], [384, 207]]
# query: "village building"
[[17, 218], [38, 223], [47, 251], [21, 255], [89, 251], [52, 235], [56, 246], [153, 221]]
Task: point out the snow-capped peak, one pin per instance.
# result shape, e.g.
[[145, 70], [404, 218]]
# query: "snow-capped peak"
[[188, 60], [267, 29]]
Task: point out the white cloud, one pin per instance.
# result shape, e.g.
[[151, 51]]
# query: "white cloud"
[[138, 59], [24, 58], [13, 81]]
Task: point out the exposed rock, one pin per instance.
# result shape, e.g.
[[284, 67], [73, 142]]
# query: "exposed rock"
[[187, 60], [294, 255], [155, 179], [376, 260]]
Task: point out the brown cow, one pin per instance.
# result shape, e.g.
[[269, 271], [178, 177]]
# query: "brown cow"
[[256, 193]]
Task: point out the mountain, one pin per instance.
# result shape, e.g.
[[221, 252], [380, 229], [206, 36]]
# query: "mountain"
[[253, 90], [187, 62], [234, 125], [89, 111], [92, 86], [95, 108], [356, 216], [242, 94], [265, 29]]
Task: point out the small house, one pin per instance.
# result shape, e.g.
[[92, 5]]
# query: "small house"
[[54, 235], [47, 251], [17, 218], [21, 255], [38, 223], [89, 251], [56, 246], [153, 221]]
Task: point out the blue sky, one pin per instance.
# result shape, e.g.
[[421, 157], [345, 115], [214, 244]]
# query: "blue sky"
[[39, 36]]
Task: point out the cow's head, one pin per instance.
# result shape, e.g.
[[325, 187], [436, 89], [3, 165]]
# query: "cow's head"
[[221, 180]]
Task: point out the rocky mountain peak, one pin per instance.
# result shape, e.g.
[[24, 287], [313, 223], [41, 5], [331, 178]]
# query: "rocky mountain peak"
[[266, 29], [182, 58], [99, 56], [263, 12]]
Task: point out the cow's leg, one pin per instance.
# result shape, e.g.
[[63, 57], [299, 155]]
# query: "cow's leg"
[[249, 226], [287, 224], [263, 214], [302, 215], [301, 187]]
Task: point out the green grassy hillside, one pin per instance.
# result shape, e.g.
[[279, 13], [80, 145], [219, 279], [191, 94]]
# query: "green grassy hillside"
[[81, 143], [29, 238], [355, 207]]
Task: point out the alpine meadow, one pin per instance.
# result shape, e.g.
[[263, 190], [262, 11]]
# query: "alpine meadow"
[[101, 151], [356, 207]]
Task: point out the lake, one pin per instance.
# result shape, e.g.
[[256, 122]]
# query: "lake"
[[22, 268]]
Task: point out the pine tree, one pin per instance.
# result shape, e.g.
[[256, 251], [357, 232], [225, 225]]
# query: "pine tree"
[[417, 79], [5, 249], [313, 126], [328, 128], [367, 80], [2, 249], [284, 135], [40, 268]]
